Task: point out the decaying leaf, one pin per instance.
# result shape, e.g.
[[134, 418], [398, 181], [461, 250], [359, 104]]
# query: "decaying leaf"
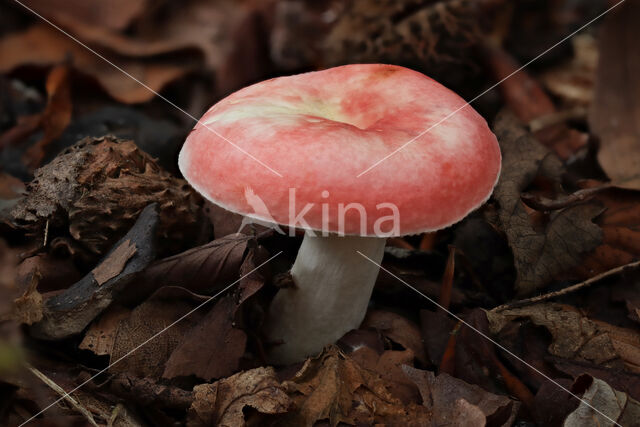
[[620, 224], [42, 45], [455, 402], [569, 234], [101, 335], [615, 111], [162, 309], [116, 15], [214, 346], [28, 308], [201, 269], [96, 188], [223, 402], [389, 366], [333, 387], [577, 337], [617, 406], [397, 328]]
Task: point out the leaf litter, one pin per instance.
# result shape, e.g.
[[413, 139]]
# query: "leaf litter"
[[103, 246]]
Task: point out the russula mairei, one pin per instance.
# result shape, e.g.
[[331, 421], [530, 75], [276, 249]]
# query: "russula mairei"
[[319, 131]]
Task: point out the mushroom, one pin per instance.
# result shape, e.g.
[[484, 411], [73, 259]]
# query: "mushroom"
[[292, 151]]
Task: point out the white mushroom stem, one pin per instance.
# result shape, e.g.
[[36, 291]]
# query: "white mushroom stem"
[[333, 285]]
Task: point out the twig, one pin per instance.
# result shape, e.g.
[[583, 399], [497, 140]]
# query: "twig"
[[567, 290], [55, 387], [543, 204]]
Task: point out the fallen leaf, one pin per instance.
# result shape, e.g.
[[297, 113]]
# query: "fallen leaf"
[[152, 323], [214, 346], [114, 263], [148, 392], [223, 402], [398, 329], [455, 402], [101, 334], [617, 406], [28, 308], [576, 337], [115, 15], [333, 387], [620, 224], [42, 45], [389, 366], [569, 234], [201, 269], [615, 111], [553, 404]]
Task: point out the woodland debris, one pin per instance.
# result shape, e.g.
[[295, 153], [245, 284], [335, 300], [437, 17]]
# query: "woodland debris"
[[223, 403], [69, 312], [92, 192], [333, 387], [452, 401], [576, 337], [614, 407], [214, 346], [146, 391], [569, 233]]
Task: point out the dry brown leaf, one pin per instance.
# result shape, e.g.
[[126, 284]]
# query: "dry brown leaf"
[[203, 268], [101, 335], [213, 348], [616, 405], [455, 402], [389, 366], [114, 263], [577, 337], [115, 14], [28, 308], [397, 328], [615, 111], [223, 402], [42, 45], [539, 256], [620, 224], [333, 387], [162, 309]]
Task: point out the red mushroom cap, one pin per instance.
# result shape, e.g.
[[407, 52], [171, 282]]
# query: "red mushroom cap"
[[320, 130]]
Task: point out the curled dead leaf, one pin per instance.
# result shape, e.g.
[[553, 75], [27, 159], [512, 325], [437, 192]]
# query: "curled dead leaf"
[[614, 407], [568, 235], [223, 402], [335, 388], [577, 337]]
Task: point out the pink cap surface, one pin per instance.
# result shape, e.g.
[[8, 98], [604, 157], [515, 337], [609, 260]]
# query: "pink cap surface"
[[320, 130]]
